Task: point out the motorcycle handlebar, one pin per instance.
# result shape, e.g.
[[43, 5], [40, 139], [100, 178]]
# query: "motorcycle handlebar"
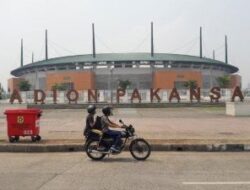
[[121, 121], [124, 126]]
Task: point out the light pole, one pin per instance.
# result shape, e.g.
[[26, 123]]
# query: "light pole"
[[111, 80]]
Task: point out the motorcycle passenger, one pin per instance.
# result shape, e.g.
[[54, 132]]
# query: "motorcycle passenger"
[[107, 124], [90, 120]]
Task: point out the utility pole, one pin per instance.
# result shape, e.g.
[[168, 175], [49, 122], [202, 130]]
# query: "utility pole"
[[93, 39], [226, 56], [152, 39], [111, 82], [32, 60], [46, 44], [200, 42], [21, 52]]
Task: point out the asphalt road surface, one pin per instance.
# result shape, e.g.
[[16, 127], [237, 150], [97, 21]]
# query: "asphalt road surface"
[[163, 170]]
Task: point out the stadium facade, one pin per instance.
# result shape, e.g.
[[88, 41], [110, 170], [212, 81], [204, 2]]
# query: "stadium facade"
[[142, 70]]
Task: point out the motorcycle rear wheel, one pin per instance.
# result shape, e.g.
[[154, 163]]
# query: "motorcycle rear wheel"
[[140, 149], [92, 146]]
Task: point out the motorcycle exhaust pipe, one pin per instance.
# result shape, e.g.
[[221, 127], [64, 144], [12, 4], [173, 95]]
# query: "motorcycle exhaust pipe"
[[97, 151]]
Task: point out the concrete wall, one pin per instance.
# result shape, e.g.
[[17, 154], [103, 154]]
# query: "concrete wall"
[[238, 108], [235, 80], [13, 84], [82, 80]]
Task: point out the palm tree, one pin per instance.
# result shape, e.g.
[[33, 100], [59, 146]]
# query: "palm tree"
[[223, 81], [124, 84], [24, 85], [190, 84]]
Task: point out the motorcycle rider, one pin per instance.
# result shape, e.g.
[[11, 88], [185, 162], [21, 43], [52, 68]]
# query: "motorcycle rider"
[[90, 120], [107, 124]]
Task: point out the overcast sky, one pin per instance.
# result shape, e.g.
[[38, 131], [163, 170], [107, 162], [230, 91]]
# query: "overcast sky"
[[124, 26]]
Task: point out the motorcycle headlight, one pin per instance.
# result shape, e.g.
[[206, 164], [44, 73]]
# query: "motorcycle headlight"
[[131, 129]]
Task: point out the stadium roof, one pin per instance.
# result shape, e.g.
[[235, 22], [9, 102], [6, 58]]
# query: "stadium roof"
[[123, 57]]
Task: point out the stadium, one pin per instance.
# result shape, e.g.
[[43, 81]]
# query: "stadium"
[[142, 70]]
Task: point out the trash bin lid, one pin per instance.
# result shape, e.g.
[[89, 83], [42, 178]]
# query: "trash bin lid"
[[23, 111]]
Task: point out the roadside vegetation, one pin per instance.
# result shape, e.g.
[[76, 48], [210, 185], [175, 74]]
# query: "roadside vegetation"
[[2, 92], [59, 87], [124, 84], [224, 81], [190, 84], [24, 85]]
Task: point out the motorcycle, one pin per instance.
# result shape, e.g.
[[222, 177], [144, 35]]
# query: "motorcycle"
[[98, 145]]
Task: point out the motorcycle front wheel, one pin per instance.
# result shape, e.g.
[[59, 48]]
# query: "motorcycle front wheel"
[[91, 150], [140, 149]]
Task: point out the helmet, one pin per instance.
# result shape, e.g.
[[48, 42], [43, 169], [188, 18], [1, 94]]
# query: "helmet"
[[91, 109], [106, 110]]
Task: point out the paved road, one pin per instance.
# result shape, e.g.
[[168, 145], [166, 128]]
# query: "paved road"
[[166, 171]]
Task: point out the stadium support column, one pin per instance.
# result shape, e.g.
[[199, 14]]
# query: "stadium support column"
[[200, 42], [211, 78], [111, 85], [21, 52], [46, 44], [93, 39], [152, 54], [152, 39], [32, 59], [226, 58], [211, 72]]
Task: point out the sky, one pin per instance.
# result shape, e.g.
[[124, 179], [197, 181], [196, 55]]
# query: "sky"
[[124, 26]]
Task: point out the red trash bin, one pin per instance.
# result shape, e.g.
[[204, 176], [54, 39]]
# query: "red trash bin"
[[23, 122]]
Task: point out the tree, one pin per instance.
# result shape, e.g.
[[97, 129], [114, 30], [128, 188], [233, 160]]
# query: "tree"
[[54, 87], [224, 81], [124, 84], [190, 84], [1, 91], [24, 85]]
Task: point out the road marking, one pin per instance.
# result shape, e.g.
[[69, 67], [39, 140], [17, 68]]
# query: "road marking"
[[218, 183]]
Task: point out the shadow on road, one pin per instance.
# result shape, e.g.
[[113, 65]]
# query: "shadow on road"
[[124, 160]]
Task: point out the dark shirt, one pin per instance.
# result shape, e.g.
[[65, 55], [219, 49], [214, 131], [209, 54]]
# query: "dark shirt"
[[89, 121]]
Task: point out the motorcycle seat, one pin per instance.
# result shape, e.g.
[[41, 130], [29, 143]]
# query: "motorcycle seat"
[[98, 132]]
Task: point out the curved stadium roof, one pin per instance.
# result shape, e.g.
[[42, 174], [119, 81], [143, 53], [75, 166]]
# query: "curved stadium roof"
[[122, 57]]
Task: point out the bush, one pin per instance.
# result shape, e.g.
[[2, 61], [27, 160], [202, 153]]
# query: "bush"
[[1, 91], [190, 84], [224, 81], [60, 87], [124, 84]]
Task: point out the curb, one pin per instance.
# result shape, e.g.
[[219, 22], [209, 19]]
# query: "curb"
[[128, 105], [155, 147], [202, 147], [41, 148]]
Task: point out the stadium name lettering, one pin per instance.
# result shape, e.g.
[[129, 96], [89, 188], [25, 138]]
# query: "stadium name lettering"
[[93, 95]]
